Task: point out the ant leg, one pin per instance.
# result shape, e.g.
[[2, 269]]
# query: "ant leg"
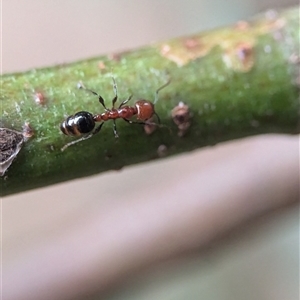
[[83, 138], [97, 129], [159, 89], [101, 100], [149, 123], [135, 122], [75, 142], [125, 101], [115, 91], [115, 130]]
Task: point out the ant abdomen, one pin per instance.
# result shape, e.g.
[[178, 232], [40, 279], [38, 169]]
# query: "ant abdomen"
[[78, 124]]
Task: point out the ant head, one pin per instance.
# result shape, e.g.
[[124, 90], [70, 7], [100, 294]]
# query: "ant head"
[[145, 110]]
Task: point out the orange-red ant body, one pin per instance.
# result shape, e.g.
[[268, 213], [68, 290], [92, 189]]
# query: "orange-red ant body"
[[83, 122]]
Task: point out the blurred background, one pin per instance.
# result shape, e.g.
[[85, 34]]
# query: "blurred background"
[[264, 260]]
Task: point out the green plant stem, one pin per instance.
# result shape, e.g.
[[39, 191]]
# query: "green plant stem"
[[237, 81]]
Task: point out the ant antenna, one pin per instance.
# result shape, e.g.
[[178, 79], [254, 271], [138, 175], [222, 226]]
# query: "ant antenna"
[[158, 118], [159, 89]]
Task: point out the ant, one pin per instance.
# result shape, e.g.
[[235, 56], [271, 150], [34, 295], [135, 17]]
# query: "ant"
[[83, 122]]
